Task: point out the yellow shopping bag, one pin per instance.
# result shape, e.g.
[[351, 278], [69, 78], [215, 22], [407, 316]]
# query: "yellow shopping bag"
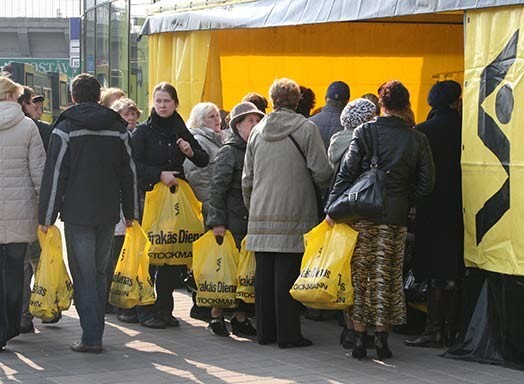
[[345, 292], [52, 291], [324, 279], [172, 222], [215, 269], [132, 284], [246, 275]]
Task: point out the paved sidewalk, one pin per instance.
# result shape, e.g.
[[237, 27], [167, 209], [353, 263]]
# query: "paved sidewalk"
[[191, 354]]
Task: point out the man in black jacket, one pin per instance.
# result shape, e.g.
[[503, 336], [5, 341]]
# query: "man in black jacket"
[[328, 119], [89, 171]]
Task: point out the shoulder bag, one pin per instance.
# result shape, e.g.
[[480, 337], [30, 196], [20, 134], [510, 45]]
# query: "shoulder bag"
[[365, 198]]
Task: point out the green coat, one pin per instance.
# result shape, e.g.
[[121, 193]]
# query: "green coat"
[[226, 206]]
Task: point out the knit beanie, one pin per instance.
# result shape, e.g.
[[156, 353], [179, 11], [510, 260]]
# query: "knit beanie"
[[357, 112]]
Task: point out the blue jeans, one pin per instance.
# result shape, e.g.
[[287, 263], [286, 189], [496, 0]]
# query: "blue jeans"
[[88, 250], [11, 289]]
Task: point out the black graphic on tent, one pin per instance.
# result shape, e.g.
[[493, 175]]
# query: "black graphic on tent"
[[492, 136]]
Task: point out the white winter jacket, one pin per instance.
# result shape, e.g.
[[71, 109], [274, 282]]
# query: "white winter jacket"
[[22, 159]]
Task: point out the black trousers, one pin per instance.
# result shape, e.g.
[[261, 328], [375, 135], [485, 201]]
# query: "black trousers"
[[277, 314], [11, 289], [166, 278]]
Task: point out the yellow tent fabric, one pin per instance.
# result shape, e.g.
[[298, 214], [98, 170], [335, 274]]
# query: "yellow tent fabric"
[[493, 157], [224, 65], [182, 60]]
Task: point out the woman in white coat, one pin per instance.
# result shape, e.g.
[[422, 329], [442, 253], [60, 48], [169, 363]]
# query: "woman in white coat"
[[22, 161]]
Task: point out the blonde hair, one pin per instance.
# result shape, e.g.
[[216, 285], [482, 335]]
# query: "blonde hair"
[[124, 103], [284, 93], [110, 93], [9, 87], [198, 114]]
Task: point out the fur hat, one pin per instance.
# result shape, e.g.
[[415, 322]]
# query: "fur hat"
[[444, 93], [357, 112], [338, 91], [240, 110]]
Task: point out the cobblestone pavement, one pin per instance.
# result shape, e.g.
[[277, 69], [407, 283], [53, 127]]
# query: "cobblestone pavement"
[[191, 354]]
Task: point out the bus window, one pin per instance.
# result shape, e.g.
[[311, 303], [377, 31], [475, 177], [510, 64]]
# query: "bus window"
[[48, 96], [63, 94], [29, 80]]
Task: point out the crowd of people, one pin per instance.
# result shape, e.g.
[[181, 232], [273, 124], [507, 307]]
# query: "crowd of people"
[[257, 175]]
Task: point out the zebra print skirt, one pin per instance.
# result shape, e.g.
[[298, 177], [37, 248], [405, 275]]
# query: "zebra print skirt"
[[376, 270]]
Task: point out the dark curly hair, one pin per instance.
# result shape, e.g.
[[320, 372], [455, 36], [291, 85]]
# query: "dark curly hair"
[[306, 101], [394, 96]]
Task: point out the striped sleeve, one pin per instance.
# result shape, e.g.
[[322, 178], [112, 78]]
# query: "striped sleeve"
[[55, 177]]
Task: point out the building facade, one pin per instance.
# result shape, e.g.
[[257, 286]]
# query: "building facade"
[[109, 46]]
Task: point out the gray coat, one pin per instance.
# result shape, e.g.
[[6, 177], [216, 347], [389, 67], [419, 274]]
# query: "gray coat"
[[200, 178], [338, 146], [22, 160], [277, 183]]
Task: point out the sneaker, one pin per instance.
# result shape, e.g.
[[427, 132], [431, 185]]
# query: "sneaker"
[[54, 320], [128, 317], [244, 327], [154, 323], [217, 326], [81, 347]]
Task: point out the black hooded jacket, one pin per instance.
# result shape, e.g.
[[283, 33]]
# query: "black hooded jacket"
[[89, 169]]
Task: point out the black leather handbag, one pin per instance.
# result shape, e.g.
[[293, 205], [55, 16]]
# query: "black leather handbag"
[[365, 198]]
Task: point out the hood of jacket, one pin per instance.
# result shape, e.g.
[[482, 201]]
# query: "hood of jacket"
[[10, 114], [280, 124], [208, 133], [92, 116], [235, 140]]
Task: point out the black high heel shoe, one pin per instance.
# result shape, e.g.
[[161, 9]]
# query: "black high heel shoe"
[[242, 327], [359, 345], [381, 345]]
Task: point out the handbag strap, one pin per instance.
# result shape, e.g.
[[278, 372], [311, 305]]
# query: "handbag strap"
[[305, 160], [374, 143]]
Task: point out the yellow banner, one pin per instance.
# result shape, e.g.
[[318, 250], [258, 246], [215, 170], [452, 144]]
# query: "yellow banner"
[[493, 140]]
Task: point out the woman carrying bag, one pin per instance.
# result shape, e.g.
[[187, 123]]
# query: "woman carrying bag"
[[160, 147], [226, 206], [403, 157], [22, 157]]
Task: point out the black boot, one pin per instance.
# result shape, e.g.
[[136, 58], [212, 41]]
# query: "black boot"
[[432, 336], [359, 345], [451, 328], [381, 345], [347, 337]]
